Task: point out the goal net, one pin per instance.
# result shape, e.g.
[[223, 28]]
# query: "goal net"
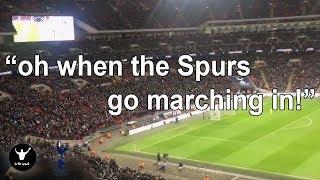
[[229, 112], [216, 115]]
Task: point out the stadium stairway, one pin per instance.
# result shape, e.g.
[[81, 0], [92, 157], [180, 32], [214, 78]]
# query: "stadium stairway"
[[263, 75], [81, 83], [318, 90], [289, 85], [4, 96]]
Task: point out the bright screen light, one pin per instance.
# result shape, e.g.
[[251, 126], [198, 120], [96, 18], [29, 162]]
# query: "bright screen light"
[[43, 28]]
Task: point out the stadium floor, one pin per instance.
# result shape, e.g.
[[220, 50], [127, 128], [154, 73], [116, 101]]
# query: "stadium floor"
[[279, 143]]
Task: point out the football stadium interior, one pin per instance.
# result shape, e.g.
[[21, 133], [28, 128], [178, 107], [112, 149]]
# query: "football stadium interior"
[[65, 119]]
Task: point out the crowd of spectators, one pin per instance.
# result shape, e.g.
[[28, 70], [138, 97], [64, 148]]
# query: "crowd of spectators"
[[63, 115], [138, 14], [72, 113], [306, 73], [164, 44], [277, 73], [75, 113], [256, 77], [77, 161], [66, 110]]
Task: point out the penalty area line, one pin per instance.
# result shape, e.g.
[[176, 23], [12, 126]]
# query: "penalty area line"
[[310, 121], [166, 139], [281, 128], [212, 122]]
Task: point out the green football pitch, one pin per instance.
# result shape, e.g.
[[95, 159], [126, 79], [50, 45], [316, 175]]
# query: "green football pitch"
[[278, 142]]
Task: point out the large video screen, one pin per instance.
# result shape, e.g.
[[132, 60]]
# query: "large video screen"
[[43, 28]]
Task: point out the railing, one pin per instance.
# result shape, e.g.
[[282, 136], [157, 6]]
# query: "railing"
[[264, 20]]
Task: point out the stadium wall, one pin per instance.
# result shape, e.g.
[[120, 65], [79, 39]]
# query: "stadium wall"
[[1, 40], [164, 122]]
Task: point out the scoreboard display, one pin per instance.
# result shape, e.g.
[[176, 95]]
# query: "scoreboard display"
[[43, 28]]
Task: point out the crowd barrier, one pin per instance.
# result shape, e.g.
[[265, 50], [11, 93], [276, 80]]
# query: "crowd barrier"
[[294, 94], [164, 122]]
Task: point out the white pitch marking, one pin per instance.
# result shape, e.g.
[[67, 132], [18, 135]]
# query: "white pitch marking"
[[279, 129], [235, 178], [220, 139], [236, 167], [310, 121], [183, 133], [173, 136]]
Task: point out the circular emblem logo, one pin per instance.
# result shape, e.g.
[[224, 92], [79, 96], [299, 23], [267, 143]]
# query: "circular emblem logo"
[[22, 157]]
